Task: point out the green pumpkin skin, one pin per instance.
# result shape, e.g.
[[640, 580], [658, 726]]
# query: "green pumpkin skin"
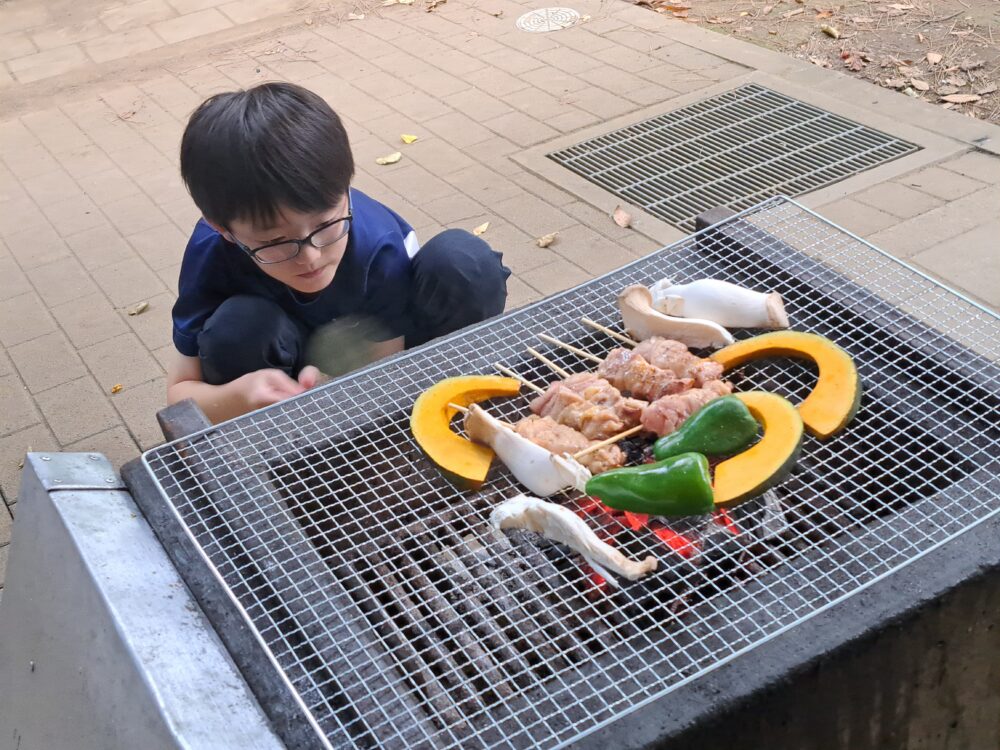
[[722, 427], [677, 486]]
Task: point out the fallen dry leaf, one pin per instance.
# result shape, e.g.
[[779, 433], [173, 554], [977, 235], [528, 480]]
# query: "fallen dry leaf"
[[862, 20], [820, 62], [622, 217], [853, 61], [496, 13], [830, 31], [791, 13], [920, 85], [720, 21], [766, 9], [955, 81], [355, 16], [961, 98], [546, 239], [824, 14], [408, 139], [921, 38], [946, 90], [138, 309], [987, 89], [116, 388], [971, 64], [481, 228], [308, 22], [894, 83], [432, 4], [389, 158]]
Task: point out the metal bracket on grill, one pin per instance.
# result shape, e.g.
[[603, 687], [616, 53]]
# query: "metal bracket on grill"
[[75, 471]]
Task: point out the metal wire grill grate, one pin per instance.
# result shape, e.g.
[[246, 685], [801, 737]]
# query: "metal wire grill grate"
[[402, 621], [733, 150]]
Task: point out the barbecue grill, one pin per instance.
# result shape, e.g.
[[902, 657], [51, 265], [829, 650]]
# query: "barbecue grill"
[[368, 603]]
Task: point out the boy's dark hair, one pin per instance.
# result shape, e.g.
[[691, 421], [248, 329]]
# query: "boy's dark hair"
[[246, 154]]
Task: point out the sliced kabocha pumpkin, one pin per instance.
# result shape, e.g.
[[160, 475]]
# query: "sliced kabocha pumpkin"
[[836, 397], [463, 462], [769, 461]]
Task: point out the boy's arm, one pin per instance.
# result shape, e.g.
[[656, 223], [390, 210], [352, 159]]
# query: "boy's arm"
[[221, 402]]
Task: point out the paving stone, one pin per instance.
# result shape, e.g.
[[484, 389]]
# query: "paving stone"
[[898, 200], [15, 45], [86, 161], [23, 318], [512, 61], [182, 212], [521, 129], [6, 522], [160, 246], [459, 130], [950, 220], [519, 294], [452, 210], [246, 11], [169, 92], [969, 261], [128, 281], [542, 189], [520, 253], [598, 220], [941, 183], [859, 218], [977, 165], [15, 137], [139, 159], [108, 186], [20, 218], [640, 245], [439, 84], [13, 282], [38, 246], [483, 184], [555, 276], [532, 216], [166, 356], [15, 405], [29, 161], [590, 250], [61, 36], [553, 81], [89, 320], [478, 104], [412, 179], [76, 410], [56, 131], [61, 281], [74, 215], [6, 367], [47, 361], [10, 186], [584, 42], [52, 187], [46, 64], [138, 406], [440, 156], [495, 154], [170, 274], [457, 61], [190, 6], [537, 104], [134, 214], [154, 327], [495, 82], [599, 102], [569, 60], [100, 247], [121, 360], [13, 448], [4, 551], [115, 444], [132, 15], [421, 106]]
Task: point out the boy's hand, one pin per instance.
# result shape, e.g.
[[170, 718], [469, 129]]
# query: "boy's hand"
[[265, 387], [309, 377]]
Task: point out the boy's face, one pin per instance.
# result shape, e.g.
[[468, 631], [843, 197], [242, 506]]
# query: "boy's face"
[[313, 269]]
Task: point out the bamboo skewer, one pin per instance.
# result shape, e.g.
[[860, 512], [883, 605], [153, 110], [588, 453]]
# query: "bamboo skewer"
[[552, 365], [524, 381], [604, 329], [459, 407], [570, 348], [608, 441]]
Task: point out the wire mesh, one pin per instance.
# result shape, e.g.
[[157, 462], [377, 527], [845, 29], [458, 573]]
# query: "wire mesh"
[[732, 150], [402, 620]]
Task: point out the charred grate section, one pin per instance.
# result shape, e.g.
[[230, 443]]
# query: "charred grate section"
[[733, 150], [401, 620]]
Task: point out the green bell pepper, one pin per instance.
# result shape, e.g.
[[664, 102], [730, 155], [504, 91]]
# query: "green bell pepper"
[[677, 486], [721, 427]]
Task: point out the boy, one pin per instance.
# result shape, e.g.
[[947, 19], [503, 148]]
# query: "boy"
[[286, 246]]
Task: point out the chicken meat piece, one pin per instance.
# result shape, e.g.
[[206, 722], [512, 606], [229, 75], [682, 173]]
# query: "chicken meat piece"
[[590, 404], [668, 354], [666, 414], [559, 439], [563, 525], [628, 371]]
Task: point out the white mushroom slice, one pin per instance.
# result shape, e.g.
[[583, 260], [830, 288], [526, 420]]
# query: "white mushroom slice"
[[540, 470], [719, 301], [564, 526], [643, 322]]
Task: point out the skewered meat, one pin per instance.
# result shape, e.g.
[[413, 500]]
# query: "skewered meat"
[[666, 414], [563, 525], [559, 439], [542, 472], [668, 354], [629, 371], [590, 404]]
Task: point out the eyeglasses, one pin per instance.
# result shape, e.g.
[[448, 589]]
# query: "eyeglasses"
[[324, 236]]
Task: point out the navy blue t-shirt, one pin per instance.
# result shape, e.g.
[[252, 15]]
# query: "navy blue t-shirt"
[[373, 277]]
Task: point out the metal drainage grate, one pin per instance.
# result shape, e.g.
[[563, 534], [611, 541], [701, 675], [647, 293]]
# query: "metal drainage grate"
[[732, 150]]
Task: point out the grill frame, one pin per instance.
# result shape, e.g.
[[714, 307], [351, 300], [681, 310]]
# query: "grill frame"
[[652, 164], [776, 205]]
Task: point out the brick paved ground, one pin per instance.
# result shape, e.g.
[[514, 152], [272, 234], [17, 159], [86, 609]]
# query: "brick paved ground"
[[93, 216]]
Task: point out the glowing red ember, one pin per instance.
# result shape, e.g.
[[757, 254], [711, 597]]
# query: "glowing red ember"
[[722, 517], [677, 542]]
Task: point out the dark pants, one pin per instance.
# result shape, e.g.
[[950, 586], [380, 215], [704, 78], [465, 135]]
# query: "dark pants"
[[457, 281]]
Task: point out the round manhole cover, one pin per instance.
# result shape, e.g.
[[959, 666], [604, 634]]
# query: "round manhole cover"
[[548, 19]]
